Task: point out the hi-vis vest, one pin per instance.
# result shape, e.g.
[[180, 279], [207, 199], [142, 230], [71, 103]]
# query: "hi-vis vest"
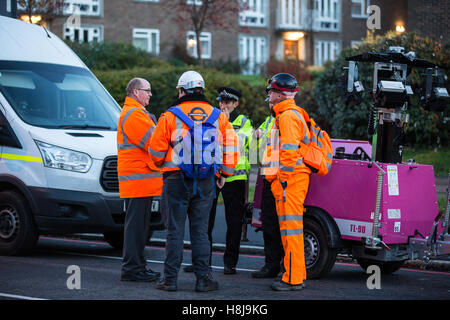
[[137, 174], [244, 131], [287, 143], [263, 141]]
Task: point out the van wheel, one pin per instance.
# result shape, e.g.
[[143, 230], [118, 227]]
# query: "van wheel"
[[115, 238], [386, 268], [319, 258], [18, 232]]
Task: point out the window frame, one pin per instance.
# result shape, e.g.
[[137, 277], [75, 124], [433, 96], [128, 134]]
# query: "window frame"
[[81, 30], [333, 18], [139, 33], [364, 5], [262, 52], [194, 2], [259, 11], [69, 4], [318, 53], [204, 36]]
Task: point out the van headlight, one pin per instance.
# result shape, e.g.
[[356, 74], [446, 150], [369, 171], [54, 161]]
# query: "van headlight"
[[62, 158]]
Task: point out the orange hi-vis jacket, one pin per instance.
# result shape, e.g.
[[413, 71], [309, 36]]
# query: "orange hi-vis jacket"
[[171, 129], [138, 176], [288, 140]]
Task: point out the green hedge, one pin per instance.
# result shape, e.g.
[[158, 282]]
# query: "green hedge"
[[325, 102], [114, 56], [164, 80]]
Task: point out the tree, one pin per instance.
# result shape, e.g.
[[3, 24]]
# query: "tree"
[[200, 14], [47, 9]]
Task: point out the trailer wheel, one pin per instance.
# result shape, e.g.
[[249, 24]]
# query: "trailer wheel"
[[115, 239], [386, 268], [319, 258], [18, 231]]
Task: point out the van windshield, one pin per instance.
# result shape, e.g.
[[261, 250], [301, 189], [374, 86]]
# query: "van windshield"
[[57, 96]]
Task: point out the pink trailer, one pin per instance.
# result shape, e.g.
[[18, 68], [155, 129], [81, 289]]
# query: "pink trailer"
[[382, 222]]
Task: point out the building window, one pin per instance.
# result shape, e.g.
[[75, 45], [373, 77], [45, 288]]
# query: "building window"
[[83, 7], [147, 39], [325, 50], [84, 33], [253, 13], [327, 15], [359, 8], [205, 42], [196, 2], [252, 53], [290, 14]]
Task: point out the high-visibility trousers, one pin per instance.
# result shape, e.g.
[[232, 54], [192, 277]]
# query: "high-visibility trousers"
[[289, 203]]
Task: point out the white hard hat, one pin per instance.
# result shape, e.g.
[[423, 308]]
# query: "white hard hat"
[[191, 80]]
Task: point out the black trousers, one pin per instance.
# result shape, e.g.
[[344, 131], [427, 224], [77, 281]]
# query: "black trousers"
[[233, 194], [273, 248], [136, 231]]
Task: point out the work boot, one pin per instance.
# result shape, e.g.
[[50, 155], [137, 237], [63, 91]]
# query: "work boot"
[[163, 284], [151, 272], [280, 285], [229, 270], [265, 272], [188, 268], [143, 276], [207, 283]]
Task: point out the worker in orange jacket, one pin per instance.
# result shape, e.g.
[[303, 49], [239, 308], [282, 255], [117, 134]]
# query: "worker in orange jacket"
[[139, 179], [185, 196], [284, 167]]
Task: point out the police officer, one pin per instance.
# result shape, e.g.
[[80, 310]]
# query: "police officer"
[[236, 187]]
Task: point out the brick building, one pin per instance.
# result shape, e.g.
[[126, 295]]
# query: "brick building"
[[310, 30]]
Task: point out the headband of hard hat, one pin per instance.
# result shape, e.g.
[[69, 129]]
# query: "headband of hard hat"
[[273, 85]]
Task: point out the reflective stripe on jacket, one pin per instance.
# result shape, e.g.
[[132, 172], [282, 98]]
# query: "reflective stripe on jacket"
[[244, 130], [171, 129], [293, 137], [137, 174], [264, 141]]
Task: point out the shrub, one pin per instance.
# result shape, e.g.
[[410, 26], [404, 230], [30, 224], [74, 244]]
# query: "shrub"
[[108, 56], [164, 80], [425, 128]]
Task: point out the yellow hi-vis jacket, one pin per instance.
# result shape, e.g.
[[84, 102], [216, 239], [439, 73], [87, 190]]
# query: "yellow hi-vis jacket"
[[244, 130]]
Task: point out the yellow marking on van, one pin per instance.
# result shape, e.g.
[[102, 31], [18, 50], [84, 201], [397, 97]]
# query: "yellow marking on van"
[[20, 157]]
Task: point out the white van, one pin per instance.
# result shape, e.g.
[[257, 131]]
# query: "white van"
[[58, 152]]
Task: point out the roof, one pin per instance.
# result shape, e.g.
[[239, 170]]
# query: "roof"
[[22, 41]]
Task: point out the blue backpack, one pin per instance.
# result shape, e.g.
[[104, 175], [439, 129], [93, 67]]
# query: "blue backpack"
[[196, 151]]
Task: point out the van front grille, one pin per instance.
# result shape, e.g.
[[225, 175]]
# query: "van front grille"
[[108, 177]]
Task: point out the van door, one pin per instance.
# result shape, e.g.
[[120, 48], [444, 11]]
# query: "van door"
[[7, 136]]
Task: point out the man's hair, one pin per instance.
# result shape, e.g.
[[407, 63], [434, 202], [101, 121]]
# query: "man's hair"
[[134, 83]]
